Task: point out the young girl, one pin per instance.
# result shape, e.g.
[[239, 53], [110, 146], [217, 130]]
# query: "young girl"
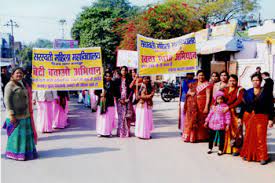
[[105, 121], [144, 114], [218, 121]]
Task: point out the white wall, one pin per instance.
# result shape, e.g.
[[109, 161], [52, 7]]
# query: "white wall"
[[267, 28], [249, 50], [246, 67]]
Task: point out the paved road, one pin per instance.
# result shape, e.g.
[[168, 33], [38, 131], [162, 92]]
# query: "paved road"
[[76, 155]]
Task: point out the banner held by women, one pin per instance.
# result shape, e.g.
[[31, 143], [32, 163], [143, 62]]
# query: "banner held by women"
[[177, 55], [67, 69]]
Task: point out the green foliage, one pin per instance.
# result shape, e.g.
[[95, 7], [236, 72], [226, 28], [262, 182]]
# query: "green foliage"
[[42, 43], [95, 26], [25, 55], [217, 11], [163, 21], [172, 19], [113, 24], [123, 8]]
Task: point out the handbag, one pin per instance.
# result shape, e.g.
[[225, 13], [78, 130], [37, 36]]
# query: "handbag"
[[129, 110], [238, 140], [103, 107]]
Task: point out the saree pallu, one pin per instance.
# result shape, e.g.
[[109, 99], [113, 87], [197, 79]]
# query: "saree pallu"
[[194, 120], [255, 140], [190, 121], [202, 134], [21, 145], [232, 133], [31, 113]]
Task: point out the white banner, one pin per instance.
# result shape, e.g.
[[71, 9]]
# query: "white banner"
[[127, 58]]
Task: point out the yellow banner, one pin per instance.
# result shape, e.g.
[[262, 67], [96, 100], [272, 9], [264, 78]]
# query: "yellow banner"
[[173, 56], [67, 69]]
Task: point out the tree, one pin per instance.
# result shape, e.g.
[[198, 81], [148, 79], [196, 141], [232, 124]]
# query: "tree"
[[25, 55], [218, 11], [95, 26], [122, 7], [42, 43], [162, 21]]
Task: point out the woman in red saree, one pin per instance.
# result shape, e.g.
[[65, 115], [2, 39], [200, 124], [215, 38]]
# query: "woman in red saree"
[[233, 95], [196, 109], [29, 88], [257, 113]]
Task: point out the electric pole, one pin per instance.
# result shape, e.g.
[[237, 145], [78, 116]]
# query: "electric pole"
[[12, 24], [62, 22]]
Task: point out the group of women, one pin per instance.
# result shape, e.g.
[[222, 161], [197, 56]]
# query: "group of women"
[[52, 110], [131, 98], [251, 110]]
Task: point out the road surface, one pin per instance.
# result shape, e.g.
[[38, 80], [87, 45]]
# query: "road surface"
[[76, 155]]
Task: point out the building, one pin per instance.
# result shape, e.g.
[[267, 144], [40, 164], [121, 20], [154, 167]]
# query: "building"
[[6, 43], [216, 47], [18, 46], [63, 43], [258, 52]]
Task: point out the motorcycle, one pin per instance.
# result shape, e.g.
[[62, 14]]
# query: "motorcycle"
[[170, 91]]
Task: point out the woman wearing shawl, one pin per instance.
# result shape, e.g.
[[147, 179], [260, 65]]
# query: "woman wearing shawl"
[[105, 120], [144, 113], [21, 142]]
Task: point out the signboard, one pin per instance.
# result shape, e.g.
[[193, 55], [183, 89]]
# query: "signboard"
[[62, 43], [127, 58], [224, 30], [202, 35], [67, 69], [171, 56]]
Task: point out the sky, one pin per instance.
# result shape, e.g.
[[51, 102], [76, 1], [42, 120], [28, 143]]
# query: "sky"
[[39, 18]]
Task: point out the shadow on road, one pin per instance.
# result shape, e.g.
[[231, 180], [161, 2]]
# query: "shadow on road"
[[68, 152], [160, 135], [58, 137], [80, 119], [271, 157], [270, 140], [162, 120], [159, 110]]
